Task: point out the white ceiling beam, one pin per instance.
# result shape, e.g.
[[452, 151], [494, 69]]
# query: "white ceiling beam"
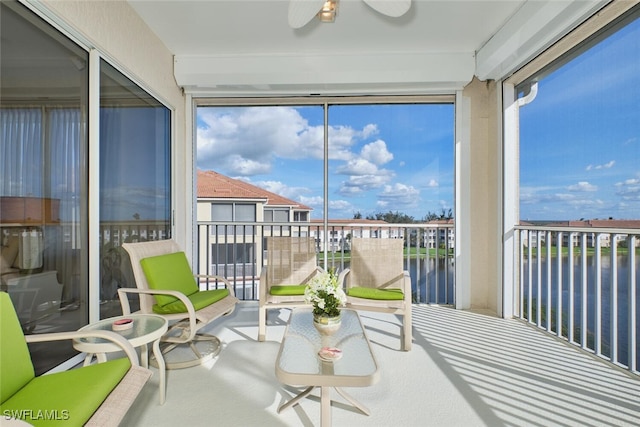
[[303, 73], [534, 27]]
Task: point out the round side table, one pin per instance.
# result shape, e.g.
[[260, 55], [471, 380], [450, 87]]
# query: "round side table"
[[147, 328]]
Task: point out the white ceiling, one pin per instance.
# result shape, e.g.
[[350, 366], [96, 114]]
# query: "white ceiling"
[[246, 48]]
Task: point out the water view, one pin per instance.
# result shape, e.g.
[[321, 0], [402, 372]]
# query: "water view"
[[620, 303]]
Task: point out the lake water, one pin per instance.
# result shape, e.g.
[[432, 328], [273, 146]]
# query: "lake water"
[[435, 283], [621, 297]]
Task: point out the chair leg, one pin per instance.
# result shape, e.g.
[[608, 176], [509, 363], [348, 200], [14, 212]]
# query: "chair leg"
[[262, 323], [407, 336], [200, 350]]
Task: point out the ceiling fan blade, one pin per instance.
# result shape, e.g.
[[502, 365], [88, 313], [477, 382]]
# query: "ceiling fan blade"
[[303, 11], [393, 8]]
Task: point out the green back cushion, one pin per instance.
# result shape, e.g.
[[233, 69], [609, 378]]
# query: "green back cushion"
[[74, 394], [373, 293], [169, 272], [16, 368], [287, 290], [199, 300]]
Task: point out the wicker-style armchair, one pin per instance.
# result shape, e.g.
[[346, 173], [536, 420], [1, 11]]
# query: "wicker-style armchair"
[[291, 263], [376, 281]]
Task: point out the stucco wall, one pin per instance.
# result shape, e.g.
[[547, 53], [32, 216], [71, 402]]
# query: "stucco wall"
[[484, 195], [120, 36]]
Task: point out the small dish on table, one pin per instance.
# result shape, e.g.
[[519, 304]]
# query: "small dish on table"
[[330, 354]]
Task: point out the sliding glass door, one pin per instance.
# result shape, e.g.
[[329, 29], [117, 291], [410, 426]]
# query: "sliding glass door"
[[43, 183], [135, 171], [44, 179]]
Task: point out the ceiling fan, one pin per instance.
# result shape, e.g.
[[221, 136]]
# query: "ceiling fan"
[[301, 12]]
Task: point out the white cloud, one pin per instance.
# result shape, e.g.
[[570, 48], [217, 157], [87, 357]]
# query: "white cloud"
[[376, 152], [278, 187], [246, 141], [341, 205], [398, 195], [607, 165], [315, 201], [238, 165], [357, 167], [369, 130], [629, 189], [628, 182], [357, 184], [582, 186]]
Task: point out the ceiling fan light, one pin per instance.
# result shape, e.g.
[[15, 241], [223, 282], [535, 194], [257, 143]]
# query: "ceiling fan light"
[[328, 11]]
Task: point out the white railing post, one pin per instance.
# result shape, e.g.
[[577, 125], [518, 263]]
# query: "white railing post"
[[548, 293], [529, 282], [521, 272], [571, 291], [583, 292], [599, 308], [631, 245], [559, 290], [597, 346], [613, 318]]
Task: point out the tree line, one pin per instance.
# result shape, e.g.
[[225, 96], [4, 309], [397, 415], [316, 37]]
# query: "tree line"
[[402, 218]]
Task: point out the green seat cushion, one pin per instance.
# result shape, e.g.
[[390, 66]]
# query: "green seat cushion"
[[169, 272], [377, 294], [285, 290], [199, 300], [69, 398], [16, 369]]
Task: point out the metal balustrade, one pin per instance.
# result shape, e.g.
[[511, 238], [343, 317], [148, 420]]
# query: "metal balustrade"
[[236, 251], [581, 285]]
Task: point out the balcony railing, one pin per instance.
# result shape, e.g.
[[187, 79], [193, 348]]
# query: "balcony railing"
[[581, 284], [235, 251]]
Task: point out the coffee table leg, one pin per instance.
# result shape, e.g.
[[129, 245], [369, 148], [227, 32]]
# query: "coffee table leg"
[[161, 370], [295, 400], [325, 406], [353, 401]]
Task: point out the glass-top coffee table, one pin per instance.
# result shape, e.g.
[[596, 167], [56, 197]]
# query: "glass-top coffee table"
[[146, 328], [298, 363]]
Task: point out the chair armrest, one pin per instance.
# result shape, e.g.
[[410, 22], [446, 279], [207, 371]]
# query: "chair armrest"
[[264, 285], [406, 287], [320, 270], [342, 277], [114, 337], [126, 309], [224, 280]]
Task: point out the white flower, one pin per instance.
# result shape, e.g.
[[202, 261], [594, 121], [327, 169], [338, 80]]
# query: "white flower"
[[326, 295]]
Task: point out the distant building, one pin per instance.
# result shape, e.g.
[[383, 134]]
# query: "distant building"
[[342, 230], [605, 238], [439, 236], [232, 248]]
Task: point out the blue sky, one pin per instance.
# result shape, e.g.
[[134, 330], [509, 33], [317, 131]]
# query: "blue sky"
[[580, 137], [381, 157]]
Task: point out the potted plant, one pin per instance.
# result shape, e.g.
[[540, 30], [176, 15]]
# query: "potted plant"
[[327, 296]]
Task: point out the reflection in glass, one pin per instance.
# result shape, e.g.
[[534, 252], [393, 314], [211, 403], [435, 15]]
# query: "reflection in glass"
[[43, 184], [135, 169]]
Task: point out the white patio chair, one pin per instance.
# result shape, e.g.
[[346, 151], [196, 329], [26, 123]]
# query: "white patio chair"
[[376, 281], [291, 263], [167, 287]]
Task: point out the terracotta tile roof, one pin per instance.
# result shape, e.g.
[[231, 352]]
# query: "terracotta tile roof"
[[212, 184], [613, 223]]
